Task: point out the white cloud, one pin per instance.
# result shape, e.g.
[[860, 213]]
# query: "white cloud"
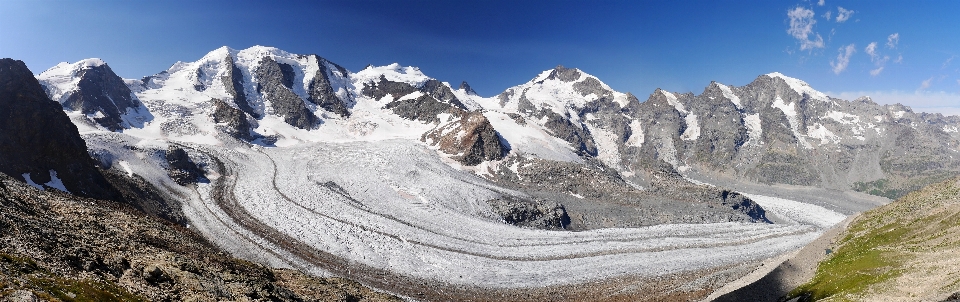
[[872, 51], [899, 59], [920, 101], [801, 28], [821, 3], [947, 62], [827, 15], [925, 84], [843, 14], [843, 59], [876, 58], [893, 40]]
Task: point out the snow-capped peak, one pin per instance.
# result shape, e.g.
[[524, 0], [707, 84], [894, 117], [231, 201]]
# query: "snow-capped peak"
[[393, 72], [63, 78], [800, 86]]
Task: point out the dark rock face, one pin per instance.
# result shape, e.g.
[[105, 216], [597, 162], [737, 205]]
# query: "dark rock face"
[[101, 90], [321, 90], [37, 137], [273, 86], [472, 137], [425, 109], [564, 74], [233, 81], [442, 93], [575, 134], [384, 87], [181, 169], [234, 121], [466, 87], [532, 214]]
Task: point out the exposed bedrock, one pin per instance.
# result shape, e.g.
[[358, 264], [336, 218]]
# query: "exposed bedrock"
[[470, 139], [275, 80], [533, 214]]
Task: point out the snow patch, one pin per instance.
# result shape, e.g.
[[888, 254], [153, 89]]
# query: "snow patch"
[[798, 212], [55, 182], [26, 177], [790, 111], [818, 131], [636, 134], [693, 128], [754, 130], [728, 93]]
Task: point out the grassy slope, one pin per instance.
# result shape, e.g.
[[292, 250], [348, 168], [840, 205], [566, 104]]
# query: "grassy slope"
[[907, 250]]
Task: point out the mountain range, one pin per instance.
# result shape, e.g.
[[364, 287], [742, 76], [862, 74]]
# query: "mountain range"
[[560, 187]]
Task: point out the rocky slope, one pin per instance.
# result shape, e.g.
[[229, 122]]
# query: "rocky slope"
[[58, 247], [38, 143]]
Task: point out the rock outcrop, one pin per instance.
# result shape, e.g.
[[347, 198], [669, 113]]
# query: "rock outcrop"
[[275, 81], [38, 143], [470, 139]]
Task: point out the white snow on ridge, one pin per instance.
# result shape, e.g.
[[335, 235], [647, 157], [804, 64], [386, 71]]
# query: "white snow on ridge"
[[728, 93], [801, 87], [393, 72], [790, 111], [63, 78]]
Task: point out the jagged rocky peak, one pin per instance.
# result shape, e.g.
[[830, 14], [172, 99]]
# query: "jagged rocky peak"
[[39, 143], [92, 88], [563, 74], [466, 88]]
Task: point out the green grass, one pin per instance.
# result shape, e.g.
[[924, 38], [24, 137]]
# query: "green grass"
[[877, 244], [862, 261]]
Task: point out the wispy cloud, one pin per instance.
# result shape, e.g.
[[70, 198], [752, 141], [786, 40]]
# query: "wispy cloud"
[[821, 3], [843, 14], [801, 28], [843, 59], [947, 62], [925, 84], [878, 60], [893, 40], [828, 15]]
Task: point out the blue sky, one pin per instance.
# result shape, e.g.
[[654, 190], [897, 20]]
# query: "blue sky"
[[634, 46]]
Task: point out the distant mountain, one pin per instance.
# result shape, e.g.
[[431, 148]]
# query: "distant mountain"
[[91, 89]]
